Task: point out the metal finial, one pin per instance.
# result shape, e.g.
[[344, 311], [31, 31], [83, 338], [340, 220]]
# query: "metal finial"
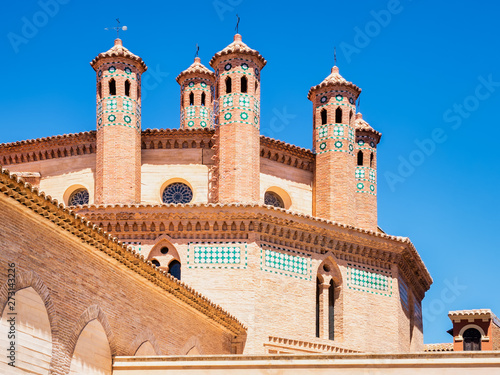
[[237, 24], [117, 28], [359, 102], [335, 55], [197, 50]]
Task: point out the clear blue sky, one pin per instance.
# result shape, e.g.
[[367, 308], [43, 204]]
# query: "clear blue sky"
[[429, 76]]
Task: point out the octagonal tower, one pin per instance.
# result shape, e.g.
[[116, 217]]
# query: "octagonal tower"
[[237, 117], [197, 93], [367, 140], [118, 97], [333, 122]]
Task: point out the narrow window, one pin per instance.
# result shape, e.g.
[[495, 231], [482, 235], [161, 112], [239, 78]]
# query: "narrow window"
[[317, 306], [138, 92], [244, 84], [256, 86], [323, 116], [99, 90], [174, 268], [371, 160], [350, 117], [360, 158], [191, 99], [127, 88], [112, 87], [203, 96], [472, 340], [338, 115], [331, 312], [228, 85]]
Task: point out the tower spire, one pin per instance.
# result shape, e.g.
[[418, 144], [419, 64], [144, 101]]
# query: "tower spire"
[[335, 55], [237, 24]]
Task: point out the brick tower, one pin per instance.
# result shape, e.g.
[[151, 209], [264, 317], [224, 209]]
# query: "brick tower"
[[118, 97], [367, 140], [334, 181], [237, 117], [197, 92]]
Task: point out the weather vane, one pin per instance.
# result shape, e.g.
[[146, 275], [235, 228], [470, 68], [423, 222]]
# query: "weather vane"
[[197, 50], [335, 55], [117, 28], [237, 23]]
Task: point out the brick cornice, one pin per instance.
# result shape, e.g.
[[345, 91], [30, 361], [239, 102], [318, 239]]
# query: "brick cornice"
[[15, 188], [270, 224]]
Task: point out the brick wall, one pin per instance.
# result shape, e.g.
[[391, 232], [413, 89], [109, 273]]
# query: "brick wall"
[[91, 284]]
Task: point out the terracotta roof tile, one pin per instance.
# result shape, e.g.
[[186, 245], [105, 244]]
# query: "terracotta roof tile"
[[334, 79], [119, 51], [444, 347], [237, 46], [196, 68]]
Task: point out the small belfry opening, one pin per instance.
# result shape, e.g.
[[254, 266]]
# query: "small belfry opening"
[[127, 88], [203, 98], [472, 339], [371, 160], [338, 115], [99, 90], [244, 84], [360, 157], [174, 268], [191, 99], [256, 86], [228, 85], [323, 116], [112, 86]]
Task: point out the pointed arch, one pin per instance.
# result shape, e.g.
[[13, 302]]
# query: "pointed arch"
[[92, 353], [324, 116], [228, 85], [244, 84], [371, 160], [191, 98], [32, 333], [203, 98], [127, 88], [112, 86], [145, 336], [329, 299], [338, 115], [360, 158], [164, 252], [192, 346], [93, 312]]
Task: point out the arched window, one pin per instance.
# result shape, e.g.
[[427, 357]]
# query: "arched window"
[[99, 90], [203, 97], [244, 84], [191, 99], [138, 91], [273, 199], [472, 339], [177, 193], [318, 283], [155, 262], [350, 117], [256, 86], [228, 85], [112, 87], [338, 115], [174, 268], [360, 157], [79, 197], [371, 160], [127, 88], [323, 116], [331, 311]]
